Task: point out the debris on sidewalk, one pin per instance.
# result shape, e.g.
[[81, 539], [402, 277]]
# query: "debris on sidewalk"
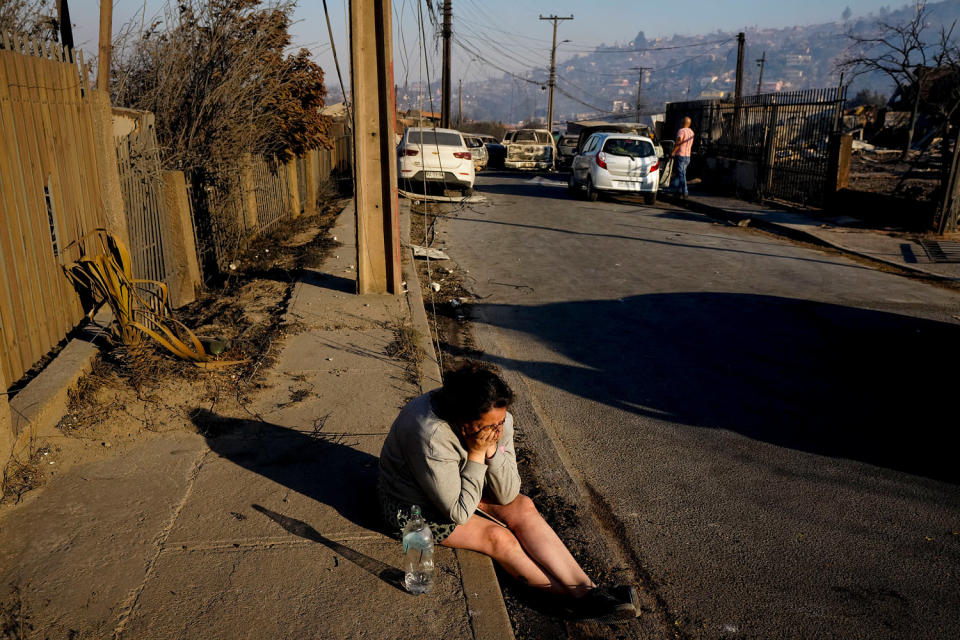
[[425, 252]]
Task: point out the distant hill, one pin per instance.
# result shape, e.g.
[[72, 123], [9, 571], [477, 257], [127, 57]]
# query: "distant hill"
[[684, 67]]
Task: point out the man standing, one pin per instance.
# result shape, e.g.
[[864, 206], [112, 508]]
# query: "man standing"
[[681, 151]]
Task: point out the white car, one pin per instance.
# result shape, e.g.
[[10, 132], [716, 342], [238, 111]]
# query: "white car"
[[616, 163], [431, 157]]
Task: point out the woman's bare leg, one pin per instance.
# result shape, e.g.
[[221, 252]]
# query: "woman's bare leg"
[[484, 536], [541, 542]]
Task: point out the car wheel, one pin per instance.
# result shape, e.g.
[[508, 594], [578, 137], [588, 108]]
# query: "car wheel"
[[573, 189], [591, 193], [649, 198]]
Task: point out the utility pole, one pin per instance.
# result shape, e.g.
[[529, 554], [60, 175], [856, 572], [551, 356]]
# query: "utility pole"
[[374, 144], [738, 91], [66, 28], [761, 61], [106, 43], [553, 70], [640, 87], [447, 33], [460, 103]]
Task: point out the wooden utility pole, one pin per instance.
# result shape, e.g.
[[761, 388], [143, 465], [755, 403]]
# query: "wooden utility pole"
[[374, 144], [553, 69], [761, 61], [447, 33], [66, 28], [639, 87], [106, 45], [738, 90]]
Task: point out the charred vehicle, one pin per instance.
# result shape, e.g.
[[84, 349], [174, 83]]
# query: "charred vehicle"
[[566, 150], [478, 151], [529, 149]]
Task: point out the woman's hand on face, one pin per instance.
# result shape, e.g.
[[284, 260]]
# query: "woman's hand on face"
[[482, 444]]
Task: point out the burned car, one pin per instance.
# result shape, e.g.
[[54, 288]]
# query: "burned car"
[[529, 149]]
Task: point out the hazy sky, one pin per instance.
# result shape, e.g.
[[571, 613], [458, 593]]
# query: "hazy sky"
[[508, 33]]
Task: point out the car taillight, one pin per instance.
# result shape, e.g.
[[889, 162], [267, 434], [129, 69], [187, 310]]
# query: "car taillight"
[[463, 155], [656, 165], [601, 160], [410, 152]]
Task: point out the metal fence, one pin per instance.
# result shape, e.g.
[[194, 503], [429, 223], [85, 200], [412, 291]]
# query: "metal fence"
[[785, 134], [50, 195], [141, 182], [271, 187]]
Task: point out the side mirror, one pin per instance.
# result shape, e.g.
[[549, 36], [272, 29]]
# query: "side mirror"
[[667, 146]]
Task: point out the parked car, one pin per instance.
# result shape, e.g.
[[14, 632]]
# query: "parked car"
[[588, 129], [431, 157], [616, 163], [566, 150], [529, 149], [496, 152], [477, 150]]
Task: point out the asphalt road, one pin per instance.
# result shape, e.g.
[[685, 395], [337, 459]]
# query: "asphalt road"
[[770, 423]]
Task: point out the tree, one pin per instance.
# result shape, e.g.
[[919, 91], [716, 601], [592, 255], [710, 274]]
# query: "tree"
[[867, 97], [900, 52], [217, 77], [35, 18]]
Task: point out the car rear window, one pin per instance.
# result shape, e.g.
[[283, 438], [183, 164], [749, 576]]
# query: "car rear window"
[[474, 142], [529, 135], [629, 148], [434, 138]]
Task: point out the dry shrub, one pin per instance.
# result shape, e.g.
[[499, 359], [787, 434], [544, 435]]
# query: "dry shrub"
[[34, 18], [216, 76]]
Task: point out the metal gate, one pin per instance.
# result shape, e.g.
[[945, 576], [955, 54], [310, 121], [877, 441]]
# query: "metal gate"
[[785, 134], [141, 182]]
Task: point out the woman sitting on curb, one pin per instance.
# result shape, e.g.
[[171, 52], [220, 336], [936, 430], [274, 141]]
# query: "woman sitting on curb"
[[451, 452]]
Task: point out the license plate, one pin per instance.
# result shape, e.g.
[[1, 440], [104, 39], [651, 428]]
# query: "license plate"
[[435, 174]]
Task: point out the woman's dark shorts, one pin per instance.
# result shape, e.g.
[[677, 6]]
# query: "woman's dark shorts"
[[396, 514]]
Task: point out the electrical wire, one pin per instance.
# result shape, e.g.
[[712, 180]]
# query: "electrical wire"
[[336, 61]]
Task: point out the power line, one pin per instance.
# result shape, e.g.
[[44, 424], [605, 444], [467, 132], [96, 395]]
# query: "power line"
[[473, 52]]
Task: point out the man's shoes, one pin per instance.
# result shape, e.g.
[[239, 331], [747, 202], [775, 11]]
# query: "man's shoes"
[[607, 605]]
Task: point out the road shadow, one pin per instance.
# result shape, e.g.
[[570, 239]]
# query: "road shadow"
[[528, 189], [826, 379], [321, 466]]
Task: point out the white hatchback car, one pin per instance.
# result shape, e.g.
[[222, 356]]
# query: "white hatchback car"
[[616, 163], [435, 157]]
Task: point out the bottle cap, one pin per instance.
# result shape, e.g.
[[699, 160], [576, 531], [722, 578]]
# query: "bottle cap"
[[415, 511]]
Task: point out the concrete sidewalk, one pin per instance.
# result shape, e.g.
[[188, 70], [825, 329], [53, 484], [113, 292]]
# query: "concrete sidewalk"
[[844, 233], [267, 525]]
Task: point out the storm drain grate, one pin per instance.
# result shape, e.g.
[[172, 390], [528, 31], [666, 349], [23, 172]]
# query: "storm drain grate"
[[941, 251]]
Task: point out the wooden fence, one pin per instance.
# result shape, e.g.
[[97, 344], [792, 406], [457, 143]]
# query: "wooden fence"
[[49, 193]]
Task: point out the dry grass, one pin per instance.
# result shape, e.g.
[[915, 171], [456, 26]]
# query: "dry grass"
[[14, 621], [21, 476]]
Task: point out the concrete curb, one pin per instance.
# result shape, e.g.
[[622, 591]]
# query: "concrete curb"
[[39, 406], [728, 215], [485, 606]]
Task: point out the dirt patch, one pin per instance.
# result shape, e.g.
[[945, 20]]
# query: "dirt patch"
[[132, 394]]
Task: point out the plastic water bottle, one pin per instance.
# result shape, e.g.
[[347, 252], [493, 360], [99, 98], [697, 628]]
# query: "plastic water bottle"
[[417, 553]]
